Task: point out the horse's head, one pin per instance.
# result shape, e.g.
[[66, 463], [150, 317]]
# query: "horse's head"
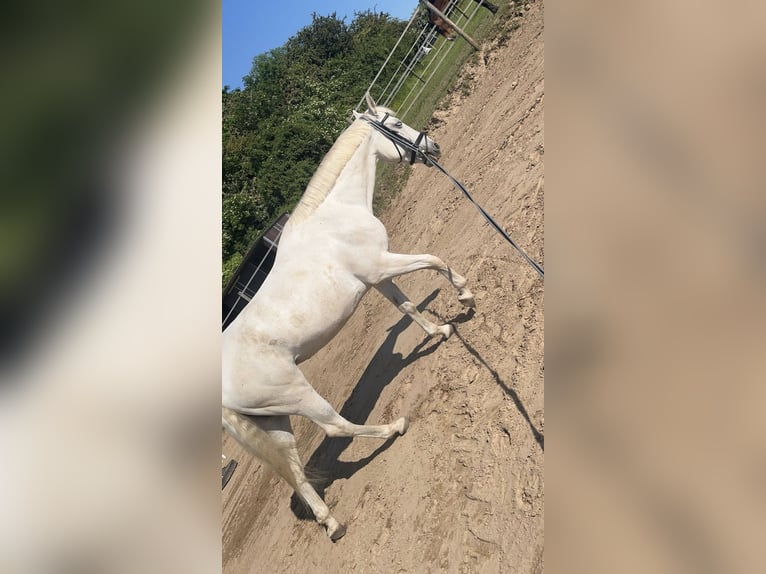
[[396, 141]]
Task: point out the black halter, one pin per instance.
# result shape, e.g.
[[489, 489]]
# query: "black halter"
[[413, 148]]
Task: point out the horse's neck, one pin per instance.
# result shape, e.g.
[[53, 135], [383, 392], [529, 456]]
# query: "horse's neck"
[[356, 183]]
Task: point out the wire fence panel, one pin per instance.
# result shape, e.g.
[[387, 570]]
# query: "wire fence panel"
[[422, 61]]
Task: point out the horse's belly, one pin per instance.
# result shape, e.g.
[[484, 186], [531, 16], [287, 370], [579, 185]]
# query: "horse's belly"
[[304, 311], [315, 324]]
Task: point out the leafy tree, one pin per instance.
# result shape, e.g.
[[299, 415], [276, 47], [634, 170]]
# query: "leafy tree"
[[243, 213], [294, 104]]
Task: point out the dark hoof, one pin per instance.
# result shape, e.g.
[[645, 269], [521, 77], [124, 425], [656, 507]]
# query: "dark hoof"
[[339, 533], [227, 471], [467, 299]]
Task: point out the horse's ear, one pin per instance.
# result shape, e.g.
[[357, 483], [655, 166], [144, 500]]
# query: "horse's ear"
[[370, 103], [357, 115]]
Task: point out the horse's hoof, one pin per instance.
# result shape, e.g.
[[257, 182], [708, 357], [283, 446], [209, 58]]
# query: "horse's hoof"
[[338, 533], [445, 331], [404, 424], [467, 299]]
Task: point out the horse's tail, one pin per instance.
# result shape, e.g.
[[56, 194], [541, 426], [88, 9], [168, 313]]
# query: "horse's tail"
[[275, 453]]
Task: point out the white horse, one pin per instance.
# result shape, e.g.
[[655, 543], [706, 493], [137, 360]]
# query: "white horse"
[[332, 250]]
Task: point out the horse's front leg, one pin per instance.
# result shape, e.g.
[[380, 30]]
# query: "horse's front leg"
[[395, 264], [402, 302]]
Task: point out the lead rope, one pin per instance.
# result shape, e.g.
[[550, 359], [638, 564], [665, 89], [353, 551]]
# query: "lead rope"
[[428, 160], [490, 220]]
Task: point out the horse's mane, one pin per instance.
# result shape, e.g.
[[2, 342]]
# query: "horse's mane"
[[329, 170]]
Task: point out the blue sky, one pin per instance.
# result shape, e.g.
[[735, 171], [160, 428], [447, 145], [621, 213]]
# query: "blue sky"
[[252, 27]]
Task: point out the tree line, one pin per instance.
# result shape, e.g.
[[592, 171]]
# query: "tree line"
[[293, 105]]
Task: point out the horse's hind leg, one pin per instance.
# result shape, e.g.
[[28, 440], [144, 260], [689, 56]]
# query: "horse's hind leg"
[[314, 407], [298, 397], [272, 440], [391, 292], [282, 432], [395, 264]]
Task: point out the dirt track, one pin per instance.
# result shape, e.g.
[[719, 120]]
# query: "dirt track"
[[462, 491]]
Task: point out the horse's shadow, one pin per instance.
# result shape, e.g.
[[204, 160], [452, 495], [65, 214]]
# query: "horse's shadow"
[[325, 467], [462, 318]]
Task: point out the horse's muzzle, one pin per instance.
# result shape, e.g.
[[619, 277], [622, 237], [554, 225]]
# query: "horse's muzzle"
[[433, 151]]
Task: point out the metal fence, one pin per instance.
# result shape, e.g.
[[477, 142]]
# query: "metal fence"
[[426, 54]]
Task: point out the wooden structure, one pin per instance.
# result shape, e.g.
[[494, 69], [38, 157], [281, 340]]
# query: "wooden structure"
[[433, 9]]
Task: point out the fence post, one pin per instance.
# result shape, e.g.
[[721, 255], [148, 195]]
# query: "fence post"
[[457, 29]]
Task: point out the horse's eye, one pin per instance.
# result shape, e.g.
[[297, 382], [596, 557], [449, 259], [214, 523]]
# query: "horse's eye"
[[398, 124]]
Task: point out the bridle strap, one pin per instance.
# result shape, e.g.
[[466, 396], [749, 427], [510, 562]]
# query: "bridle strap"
[[387, 133], [413, 153], [413, 147]]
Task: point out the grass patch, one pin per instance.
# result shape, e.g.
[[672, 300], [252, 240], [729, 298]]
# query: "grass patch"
[[389, 181], [507, 21]]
